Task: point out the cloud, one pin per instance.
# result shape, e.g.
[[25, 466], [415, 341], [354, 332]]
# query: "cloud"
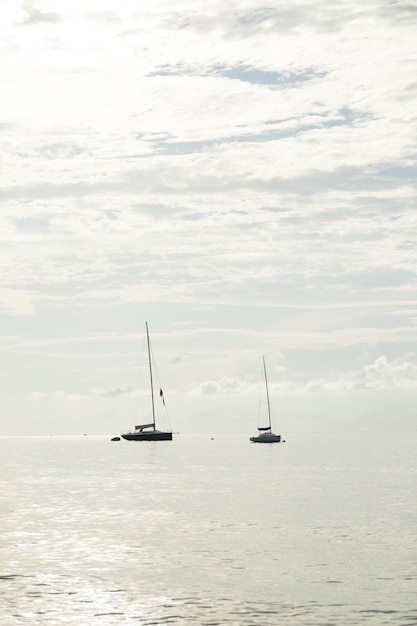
[[125, 390], [382, 374], [221, 386], [115, 392], [17, 301], [385, 374], [59, 395]]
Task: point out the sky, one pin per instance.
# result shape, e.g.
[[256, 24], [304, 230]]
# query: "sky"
[[242, 176]]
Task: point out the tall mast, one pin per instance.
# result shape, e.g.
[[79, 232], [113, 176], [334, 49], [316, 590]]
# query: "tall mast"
[[150, 373], [267, 393]]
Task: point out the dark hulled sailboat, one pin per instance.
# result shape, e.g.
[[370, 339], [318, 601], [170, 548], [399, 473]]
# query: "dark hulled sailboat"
[[149, 432]]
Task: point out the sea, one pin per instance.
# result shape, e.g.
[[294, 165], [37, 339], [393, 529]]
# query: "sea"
[[209, 530]]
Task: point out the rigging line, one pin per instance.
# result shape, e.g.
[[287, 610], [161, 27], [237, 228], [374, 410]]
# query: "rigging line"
[[140, 395], [157, 391], [263, 403], [259, 405]]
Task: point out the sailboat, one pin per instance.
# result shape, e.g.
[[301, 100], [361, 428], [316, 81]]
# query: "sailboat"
[[148, 432], [265, 434]]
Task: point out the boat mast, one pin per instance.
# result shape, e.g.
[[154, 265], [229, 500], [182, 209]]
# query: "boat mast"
[[267, 393], [150, 373]]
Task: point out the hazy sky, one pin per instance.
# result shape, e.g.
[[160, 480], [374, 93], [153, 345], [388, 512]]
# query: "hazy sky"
[[242, 175]]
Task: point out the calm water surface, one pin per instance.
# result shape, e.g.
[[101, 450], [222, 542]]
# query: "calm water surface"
[[317, 531]]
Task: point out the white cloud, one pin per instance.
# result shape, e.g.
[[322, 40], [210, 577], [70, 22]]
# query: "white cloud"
[[221, 386], [60, 395], [382, 374], [398, 373]]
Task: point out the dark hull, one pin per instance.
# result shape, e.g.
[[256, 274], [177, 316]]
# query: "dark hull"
[[267, 438], [151, 436]]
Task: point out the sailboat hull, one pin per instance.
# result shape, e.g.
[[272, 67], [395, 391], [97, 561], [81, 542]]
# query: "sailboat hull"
[[266, 438], [153, 435]]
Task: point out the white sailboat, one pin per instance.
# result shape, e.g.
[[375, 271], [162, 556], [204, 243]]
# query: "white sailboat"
[[149, 432], [265, 434]]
